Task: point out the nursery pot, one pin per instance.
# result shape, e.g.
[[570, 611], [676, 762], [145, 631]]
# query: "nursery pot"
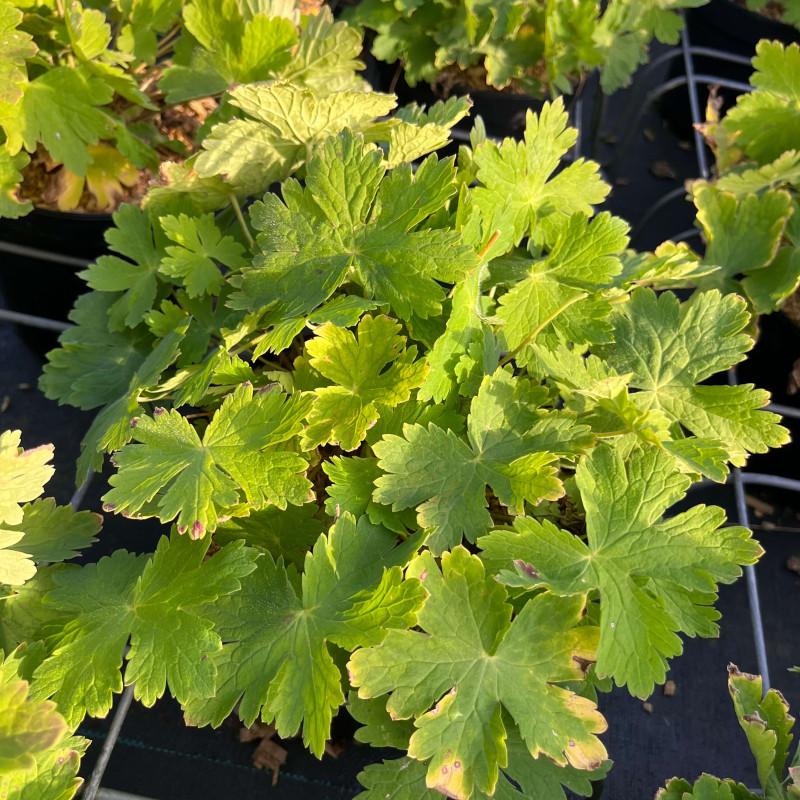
[[503, 113], [727, 26], [33, 279]]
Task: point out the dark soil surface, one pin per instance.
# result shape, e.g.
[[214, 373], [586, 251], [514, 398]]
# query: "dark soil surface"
[[692, 731]]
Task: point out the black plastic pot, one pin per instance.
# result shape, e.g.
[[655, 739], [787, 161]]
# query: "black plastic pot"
[[503, 113], [38, 268], [729, 27]]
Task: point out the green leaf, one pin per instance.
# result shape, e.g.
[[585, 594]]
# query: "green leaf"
[[16, 48], [23, 474], [351, 490], [706, 787], [768, 288], [630, 553], [89, 33], [352, 223], [592, 389], [226, 47], [766, 721], [512, 447], [59, 109], [276, 662], [285, 533], [378, 728], [199, 245], [112, 427], [562, 292], [11, 207], [93, 365], [471, 671], [136, 236], [743, 234], [747, 180], [533, 778], [766, 122], [284, 126], [173, 473], [466, 351], [518, 177], [670, 347], [158, 603], [362, 378]]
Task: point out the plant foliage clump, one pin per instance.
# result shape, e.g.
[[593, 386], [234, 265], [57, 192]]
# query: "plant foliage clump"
[[530, 45], [419, 432]]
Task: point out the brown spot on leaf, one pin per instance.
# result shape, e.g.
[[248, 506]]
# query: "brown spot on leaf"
[[160, 411], [197, 529], [526, 568], [583, 663], [108, 507]]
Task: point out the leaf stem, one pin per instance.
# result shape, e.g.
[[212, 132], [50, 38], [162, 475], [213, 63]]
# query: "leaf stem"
[[488, 246], [166, 42], [238, 211], [538, 329]]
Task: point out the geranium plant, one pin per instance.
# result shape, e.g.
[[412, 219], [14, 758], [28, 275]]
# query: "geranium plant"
[[430, 425], [94, 98], [767, 724], [750, 212], [532, 46]]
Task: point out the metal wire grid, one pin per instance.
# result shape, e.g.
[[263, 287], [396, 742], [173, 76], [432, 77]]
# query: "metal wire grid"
[[93, 790]]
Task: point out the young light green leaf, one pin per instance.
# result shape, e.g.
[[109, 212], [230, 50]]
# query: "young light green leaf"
[[470, 672], [199, 245], [158, 603], [513, 447], [283, 126], [627, 545], [327, 55], [352, 223], [276, 662], [362, 378], [766, 122], [172, 473], [16, 566], [519, 175], [27, 727], [562, 293], [670, 347], [229, 44], [23, 474], [16, 48], [56, 533]]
